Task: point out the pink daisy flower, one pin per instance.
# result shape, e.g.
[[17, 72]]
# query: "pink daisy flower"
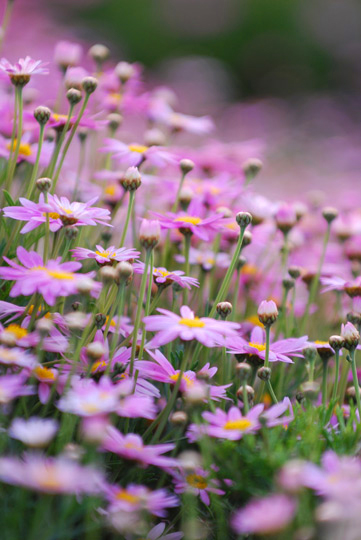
[[187, 326], [192, 220], [135, 498], [27, 150], [77, 212], [162, 370], [199, 483], [134, 154], [53, 280], [34, 432], [21, 71], [131, 446], [50, 474], [267, 515], [13, 386], [280, 351], [164, 277], [34, 214], [106, 255]]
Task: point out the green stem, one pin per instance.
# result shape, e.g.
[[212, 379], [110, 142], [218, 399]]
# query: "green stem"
[[324, 382], [337, 374], [60, 142], [187, 245], [355, 381], [19, 98], [34, 174], [47, 233], [127, 219], [147, 304]]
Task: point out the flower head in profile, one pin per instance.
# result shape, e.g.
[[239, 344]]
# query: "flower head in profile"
[[135, 498], [134, 154], [163, 277], [34, 432], [52, 280], [199, 482], [21, 71], [209, 332], [266, 515], [107, 255], [78, 213]]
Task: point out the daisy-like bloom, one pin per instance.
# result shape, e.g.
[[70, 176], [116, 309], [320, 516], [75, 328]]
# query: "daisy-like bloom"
[[156, 533], [14, 334], [67, 54], [192, 221], [199, 483], [34, 214], [131, 446], [164, 278], [50, 474], [16, 357], [254, 350], [134, 154], [46, 377], [187, 326], [108, 255], [78, 213], [53, 280], [13, 386], [266, 515], [34, 432], [232, 425], [27, 150], [162, 370], [351, 287], [135, 498], [21, 71]]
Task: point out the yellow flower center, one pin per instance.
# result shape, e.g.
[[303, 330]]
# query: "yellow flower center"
[[24, 148], [50, 480], [162, 272], [91, 408], [44, 373], [318, 342], [66, 210], [192, 323], [124, 495], [186, 379], [249, 270], [112, 322], [196, 481], [116, 97], [240, 425], [253, 319], [60, 275], [111, 190], [60, 117], [105, 254], [258, 346], [18, 331], [98, 364], [193, 220], [139, 148], [52, 215], [8, 356]]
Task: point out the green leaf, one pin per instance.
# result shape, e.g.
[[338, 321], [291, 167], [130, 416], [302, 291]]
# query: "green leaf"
[[9, 198]]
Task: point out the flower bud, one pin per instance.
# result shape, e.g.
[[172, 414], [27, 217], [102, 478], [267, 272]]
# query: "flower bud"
[[247, 238], [224, 309], [71, 232], [350, 335], [264, 373], [267, 312], [251, 167], [42, 115], [43, 184], [100, 320], [95, 350], [185, 197], [190, 460], [82, 134], [294, 272], [85, 285], [124, 71], [224, 211], [243, 219], [288, 284], [89, 84], [330, 213], [354, 318], [124, 272], [243, 371], [76, 320], [241, 262], [286, 218], [75, 306], [114, 121], [73, 96], [131, 180], [351, 394], [196, 394], [311, 390], [154, 137], [186, 166], [336, 342], [179, 418], [107, 274], [149, 234], [250, 393], [99, 53], [44, 326]]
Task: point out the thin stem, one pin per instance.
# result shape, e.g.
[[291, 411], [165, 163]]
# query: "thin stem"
[[337, 374], [6, 20], [34, 174], [355, 381], [139, 310], [187, 245], [147, 304], [324, 382], [19, 98], [127, 219], [59, 143], [47, 233], [266, 364], [13, 133]]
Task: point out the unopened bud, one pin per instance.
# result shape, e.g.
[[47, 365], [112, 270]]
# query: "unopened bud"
[[131, 180], [154, 137], [329, 213], [99, 53], [286, 218], [241, 262], [114, 121], [224, 309], [186, 166], [190, 460], [76, 320], [185, 197], [149, 234], [100, 320], [251, 167], [85, 285], [247, 238], [250, 393], [264, 373], [336, 342], [42, 115], [224, 211], [89, 84], [73, 96], [43, 184], [294, 272], [311, 390], [75, 306], [243, 219], [243, 371], [288, 284], [71, 232], [124, 71], [44, 326], [351, 394], [82, 134], [351, 336], [124, 272], [179, 418], [354, 318], [267, 312], [107, 274]]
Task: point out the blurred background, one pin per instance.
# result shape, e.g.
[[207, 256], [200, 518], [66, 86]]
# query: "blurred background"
[[286, 71]]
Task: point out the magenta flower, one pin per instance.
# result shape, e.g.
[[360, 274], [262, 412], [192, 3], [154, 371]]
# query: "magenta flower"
[[107, 255], [13, 386], [170, 326], [50, 474], [27, 150], [192, 220], [162, 370], [199, 483], [267, 515], [280, 351], [232, 425], [52, 281], [135, 498], [77, 212], [131, 446], [34, 214], [350, 287], [67, 54], [24, 67], [164, 277], [34, 432], [134, 154]]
